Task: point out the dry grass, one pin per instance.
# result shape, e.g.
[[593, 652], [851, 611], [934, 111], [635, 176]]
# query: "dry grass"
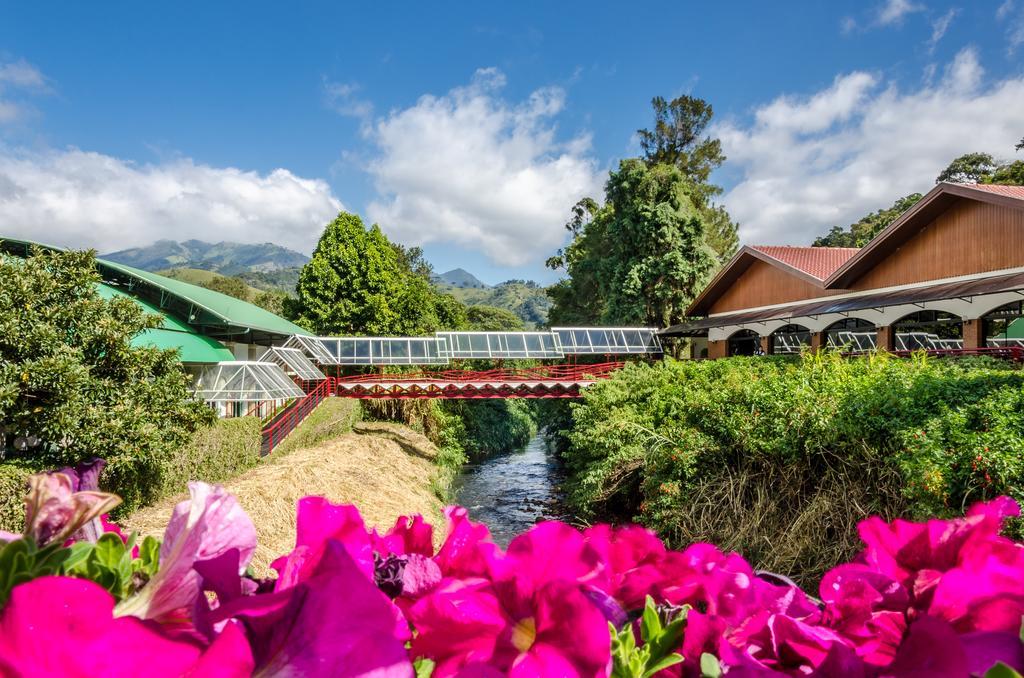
[[386, 473], [791, 519]]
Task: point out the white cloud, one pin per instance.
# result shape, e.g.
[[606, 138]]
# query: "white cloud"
[[940, 26], [893, 11], [81, 199], [848, 25], [1004, 10], [473, 169], [828, 158], [19, 76], [343, 98]]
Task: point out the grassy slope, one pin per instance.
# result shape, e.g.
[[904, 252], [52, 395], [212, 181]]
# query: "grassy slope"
[[198, 276]]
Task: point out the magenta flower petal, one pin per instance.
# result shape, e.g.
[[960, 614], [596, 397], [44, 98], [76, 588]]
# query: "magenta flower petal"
[[420, 576], [409, 535], [467, 550], [60, 626], [202, 528], [334, 622], [932, 649], [317, 522], [551, 550]]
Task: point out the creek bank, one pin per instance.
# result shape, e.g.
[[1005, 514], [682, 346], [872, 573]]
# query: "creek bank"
[[387, 470]]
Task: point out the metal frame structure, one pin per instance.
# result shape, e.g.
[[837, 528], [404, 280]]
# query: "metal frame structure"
[[245, 381], [294, 362], [608, 340], [312, 348], [501, 345], [385, 350]]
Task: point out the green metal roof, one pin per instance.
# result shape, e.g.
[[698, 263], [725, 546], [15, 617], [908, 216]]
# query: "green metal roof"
[[188, 307], [172, 333], [222, 309]]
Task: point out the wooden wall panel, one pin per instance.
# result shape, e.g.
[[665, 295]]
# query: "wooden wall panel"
[[969, 237], [762, 285]]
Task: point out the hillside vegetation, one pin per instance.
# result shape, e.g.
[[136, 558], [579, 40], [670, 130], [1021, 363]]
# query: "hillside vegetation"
[[779, 458], [526, 299]]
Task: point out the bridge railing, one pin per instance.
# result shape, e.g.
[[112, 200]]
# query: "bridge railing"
[[561, 373], [284, 423]]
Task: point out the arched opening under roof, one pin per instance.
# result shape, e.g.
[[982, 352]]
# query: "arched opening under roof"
[[1004, 326], [743, 342], [851, 335], [928, 330], [789, 339]]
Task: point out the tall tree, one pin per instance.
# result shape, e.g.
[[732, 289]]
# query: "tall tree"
[[77, 381], [233, 286], [358, 282], [860, 232], [638, 259], [482, 318], [679, 138]]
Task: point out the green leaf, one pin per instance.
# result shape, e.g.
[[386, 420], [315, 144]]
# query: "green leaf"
[[1001, 670], [709, 666], [650, 624], [424, 667], [662, 664]]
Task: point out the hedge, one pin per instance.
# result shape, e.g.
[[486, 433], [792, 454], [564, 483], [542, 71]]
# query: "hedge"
[[779, 458]]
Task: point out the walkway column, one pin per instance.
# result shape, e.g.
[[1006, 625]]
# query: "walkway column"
[[718, 349], [974, 334], [886, 341], [766, 345], [817, 341]]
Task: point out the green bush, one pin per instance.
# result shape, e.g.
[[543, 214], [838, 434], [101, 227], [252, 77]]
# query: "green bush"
[[13, 478], [494, 426], [215, 454], [779, 458]]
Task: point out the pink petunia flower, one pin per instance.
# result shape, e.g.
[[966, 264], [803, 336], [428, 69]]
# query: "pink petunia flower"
[[532, 617], [202, 528], [60, 626]]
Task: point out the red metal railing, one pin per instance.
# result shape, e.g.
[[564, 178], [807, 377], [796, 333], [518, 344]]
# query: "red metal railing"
[[285, 422], [515, 375]]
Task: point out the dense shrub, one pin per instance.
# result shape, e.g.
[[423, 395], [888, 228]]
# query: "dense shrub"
[[215, 454], [494, 426], [73, 386], [13, 477], [779, 458]]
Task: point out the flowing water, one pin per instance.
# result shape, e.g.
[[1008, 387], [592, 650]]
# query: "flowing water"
[[513, 490]]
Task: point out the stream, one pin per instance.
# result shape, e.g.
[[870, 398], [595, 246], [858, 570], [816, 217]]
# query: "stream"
[[509, 492]]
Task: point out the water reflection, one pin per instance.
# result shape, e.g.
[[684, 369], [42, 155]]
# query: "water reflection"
[[510, 492]]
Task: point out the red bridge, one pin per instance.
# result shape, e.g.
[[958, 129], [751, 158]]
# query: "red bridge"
[[542, 381]]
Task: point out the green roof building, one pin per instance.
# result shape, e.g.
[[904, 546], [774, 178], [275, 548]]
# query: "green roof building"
[[214, 334]]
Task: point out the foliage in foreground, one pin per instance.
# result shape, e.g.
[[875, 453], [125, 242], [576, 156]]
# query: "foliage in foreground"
[[777, 458], [72, 384], [942, 598]]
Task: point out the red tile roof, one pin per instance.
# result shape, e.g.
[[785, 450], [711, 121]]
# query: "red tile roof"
[[819, 262], [1008, 191]]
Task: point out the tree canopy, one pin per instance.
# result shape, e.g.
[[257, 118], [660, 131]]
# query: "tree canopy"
[[638, 259], [360, 283], [484, 318], [72, 384], [982, 168], [233, 286], [860, 232]]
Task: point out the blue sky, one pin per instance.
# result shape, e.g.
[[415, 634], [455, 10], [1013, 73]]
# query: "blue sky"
[[472, 130]]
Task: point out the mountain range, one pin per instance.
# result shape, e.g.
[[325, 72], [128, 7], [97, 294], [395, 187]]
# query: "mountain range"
[[271, 267], [226, 258]]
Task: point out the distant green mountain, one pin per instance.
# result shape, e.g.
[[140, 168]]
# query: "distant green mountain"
[[525, 298], [227, 258], [461, 278]]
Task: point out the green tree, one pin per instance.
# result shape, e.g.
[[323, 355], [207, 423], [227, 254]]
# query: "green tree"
[[1009, 174], [659, 255], [492, 319], [358, 282], [233, 286], [73, 385], [860, 232], [272, 300], [721, 233], [640, 258], [679, 138], [968, 168], [1020, 145]]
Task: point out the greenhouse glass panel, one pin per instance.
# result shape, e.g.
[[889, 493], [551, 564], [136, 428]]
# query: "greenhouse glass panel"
[[312, 347], [608, 340], [499, 345], [245, 381], [294, 362]]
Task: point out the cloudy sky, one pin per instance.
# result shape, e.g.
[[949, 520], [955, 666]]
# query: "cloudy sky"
[[471, 131]]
